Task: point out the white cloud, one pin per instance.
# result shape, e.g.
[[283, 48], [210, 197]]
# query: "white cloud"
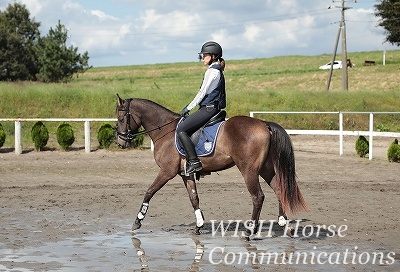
[[251, 32], [68, 5], [34, 6], [132, 32], [102, 16], [174, 24]]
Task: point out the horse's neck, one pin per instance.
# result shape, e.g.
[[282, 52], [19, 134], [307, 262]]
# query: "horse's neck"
[[157, 120]]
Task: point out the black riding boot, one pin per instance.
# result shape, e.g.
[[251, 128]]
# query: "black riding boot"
[[193, 164]]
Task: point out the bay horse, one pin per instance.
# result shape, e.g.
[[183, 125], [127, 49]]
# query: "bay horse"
[[256, 147]]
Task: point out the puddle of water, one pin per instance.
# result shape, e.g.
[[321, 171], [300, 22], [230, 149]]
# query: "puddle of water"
[[177, 251]]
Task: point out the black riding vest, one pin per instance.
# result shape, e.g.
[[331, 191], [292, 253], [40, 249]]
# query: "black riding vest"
[[218, 95]]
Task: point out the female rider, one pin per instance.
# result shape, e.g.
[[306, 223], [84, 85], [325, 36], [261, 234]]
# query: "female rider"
[[211, 98]]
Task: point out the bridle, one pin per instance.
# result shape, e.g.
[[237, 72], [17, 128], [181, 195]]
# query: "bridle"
[[128, 135]]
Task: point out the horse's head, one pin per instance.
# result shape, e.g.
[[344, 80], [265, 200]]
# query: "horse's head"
[[127, 125]]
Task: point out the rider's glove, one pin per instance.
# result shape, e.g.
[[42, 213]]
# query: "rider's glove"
[[184, 112]]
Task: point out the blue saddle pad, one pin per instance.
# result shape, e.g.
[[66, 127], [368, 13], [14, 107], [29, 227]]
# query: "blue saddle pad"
[[207, 140]]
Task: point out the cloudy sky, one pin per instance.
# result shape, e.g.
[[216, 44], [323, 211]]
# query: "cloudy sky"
[[129, 32]]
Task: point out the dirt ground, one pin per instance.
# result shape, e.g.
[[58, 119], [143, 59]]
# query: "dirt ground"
[[51, 195]]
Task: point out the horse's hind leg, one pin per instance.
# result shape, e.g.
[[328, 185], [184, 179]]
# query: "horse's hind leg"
[[257, 196], [191, 188], [267, 173]]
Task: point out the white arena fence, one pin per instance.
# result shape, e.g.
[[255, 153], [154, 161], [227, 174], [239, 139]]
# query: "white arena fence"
[[86, 121], [370, 133]]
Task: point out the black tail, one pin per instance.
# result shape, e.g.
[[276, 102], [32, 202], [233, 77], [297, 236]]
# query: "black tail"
[[285, 170]]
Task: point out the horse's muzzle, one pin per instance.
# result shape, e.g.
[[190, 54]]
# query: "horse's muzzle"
[[122, 141]]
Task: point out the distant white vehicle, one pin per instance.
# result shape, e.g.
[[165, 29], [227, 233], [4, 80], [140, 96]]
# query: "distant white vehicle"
[[337, 64]]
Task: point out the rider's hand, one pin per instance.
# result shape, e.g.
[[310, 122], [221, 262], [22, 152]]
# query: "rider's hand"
[[184, 112]]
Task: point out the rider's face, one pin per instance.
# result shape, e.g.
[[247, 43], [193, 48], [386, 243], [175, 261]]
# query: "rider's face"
[[206, 58]]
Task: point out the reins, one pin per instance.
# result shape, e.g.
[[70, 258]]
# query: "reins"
[[150, 130], [128, 136]]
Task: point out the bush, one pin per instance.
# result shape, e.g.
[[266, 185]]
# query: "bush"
[[362, 146], [382, 127], [40, 135], [105, 135], [393, 151], [2, 135], [138, 140], [65, 135]]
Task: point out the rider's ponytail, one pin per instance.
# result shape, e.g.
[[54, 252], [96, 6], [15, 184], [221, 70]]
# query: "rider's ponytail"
[[222, 63]]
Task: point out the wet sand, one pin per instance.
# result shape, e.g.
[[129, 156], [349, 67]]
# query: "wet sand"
[[71, 211]]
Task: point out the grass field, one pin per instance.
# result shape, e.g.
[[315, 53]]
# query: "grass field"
[[289, 83]]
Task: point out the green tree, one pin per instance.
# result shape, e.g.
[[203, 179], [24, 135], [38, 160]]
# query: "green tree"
[[19, 35], [389, 13], [58, 63]]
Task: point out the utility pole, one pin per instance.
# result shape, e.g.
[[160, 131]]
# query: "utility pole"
[[341, 32], [345, 82]]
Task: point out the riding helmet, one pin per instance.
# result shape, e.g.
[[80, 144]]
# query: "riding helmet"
[[211, 48]]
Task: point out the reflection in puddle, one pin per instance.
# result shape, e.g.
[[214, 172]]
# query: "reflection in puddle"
[[168, 251], [181, 253]]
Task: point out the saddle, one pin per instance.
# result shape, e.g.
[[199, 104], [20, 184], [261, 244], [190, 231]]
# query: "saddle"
[[219, 117], [205, 137]]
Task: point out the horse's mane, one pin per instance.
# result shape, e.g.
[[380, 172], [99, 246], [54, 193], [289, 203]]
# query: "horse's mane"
[[147, 101]]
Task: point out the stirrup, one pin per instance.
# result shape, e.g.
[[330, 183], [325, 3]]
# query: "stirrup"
[[192, 166]]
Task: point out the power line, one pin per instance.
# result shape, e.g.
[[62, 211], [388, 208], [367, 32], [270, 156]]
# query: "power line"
[[173, 30]]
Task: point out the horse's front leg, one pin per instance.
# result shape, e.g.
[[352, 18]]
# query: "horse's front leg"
[[191, 188], [161, 179]]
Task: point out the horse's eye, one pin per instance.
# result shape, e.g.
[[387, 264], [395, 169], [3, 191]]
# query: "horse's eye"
[[120, 118]]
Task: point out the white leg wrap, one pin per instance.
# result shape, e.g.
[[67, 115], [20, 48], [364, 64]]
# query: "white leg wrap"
[[281, 221], [143, 211], [199, 218]]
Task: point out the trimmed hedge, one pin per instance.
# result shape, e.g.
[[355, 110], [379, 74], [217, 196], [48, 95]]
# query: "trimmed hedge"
[[362, 146], [138, 140], [105, 135], [40, 135], [65, 135], [393, 152], [2, 136]]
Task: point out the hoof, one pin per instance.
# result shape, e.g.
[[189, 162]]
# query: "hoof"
[[136, 225], [251, 229], [197, 230], [289, 232]]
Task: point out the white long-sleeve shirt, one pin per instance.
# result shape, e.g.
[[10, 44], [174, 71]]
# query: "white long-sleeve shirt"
[[210, 82]]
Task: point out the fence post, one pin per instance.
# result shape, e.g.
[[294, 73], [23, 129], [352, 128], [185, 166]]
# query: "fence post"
[[18, 138], [371, 131], [87, 136], [340, 133]]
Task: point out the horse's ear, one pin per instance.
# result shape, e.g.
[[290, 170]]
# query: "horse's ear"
[[120, 100]]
